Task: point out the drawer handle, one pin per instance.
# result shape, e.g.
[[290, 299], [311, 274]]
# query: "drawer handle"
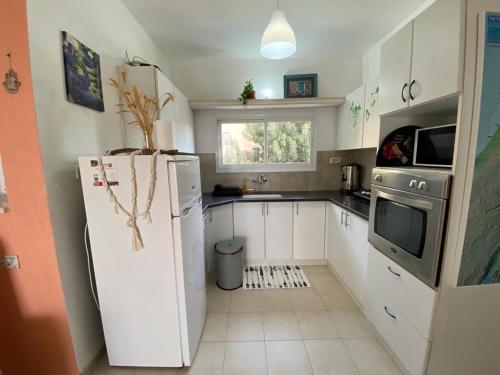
[[393, 272], [388, 313]]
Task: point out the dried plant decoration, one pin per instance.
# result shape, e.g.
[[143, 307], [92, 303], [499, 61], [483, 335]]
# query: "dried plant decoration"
[[144, 109]]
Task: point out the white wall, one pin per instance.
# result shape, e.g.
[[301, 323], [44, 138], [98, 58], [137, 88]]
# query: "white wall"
[[211, 78], [68, 130], [206, 136]]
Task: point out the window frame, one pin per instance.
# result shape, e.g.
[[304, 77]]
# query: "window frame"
[[265, 167]]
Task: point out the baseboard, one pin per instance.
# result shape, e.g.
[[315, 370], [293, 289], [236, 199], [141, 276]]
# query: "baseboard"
[[94, 362], [339, 278]]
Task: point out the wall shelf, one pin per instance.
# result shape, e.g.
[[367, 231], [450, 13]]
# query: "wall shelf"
[[266, 103]]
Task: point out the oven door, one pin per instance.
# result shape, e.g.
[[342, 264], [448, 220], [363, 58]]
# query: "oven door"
[[408, 228]]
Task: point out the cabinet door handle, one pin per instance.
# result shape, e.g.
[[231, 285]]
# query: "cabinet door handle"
[[390, 314], [211, 216], [393, 272], [409, 90], [267, 207], [342, 218], [263, 209], [346, 224], [297, 208], [403, 92]]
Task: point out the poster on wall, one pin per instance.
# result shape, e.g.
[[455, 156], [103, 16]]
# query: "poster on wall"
[[82, 72], [481, 253]]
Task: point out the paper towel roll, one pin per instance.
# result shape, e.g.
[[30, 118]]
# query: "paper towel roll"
[[164, 135]]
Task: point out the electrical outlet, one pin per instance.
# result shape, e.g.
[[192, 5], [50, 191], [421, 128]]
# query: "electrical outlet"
[[9, 261], [335, 160]]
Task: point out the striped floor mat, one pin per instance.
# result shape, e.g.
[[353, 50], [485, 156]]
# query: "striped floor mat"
[[277, 276]]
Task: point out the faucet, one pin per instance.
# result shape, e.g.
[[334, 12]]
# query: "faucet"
[[261, 179]]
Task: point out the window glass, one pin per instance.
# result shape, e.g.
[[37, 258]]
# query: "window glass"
[[289, 142], [242, 143]]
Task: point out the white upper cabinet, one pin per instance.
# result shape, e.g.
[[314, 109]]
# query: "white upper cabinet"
[[395, 66], [371, 123], [279, 226], [218, 227], [436, 64], [350, 117], [309, 230], [150, 81], [423, 61], [249, 226]]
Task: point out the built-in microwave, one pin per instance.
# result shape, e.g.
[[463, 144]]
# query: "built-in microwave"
[[434, 146], [407, 218]]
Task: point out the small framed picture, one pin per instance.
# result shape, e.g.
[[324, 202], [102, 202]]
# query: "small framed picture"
[[301, 85]]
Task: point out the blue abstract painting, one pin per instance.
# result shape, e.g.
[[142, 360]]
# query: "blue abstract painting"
[[481, 253], [82, 73]]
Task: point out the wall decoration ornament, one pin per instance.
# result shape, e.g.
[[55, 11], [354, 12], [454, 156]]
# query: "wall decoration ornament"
[[372, 103], [11, 83], [82, 70], [356, 112], [301, 86]]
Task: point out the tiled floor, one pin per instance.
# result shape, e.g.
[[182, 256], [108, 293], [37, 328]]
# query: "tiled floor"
[[316, 330]]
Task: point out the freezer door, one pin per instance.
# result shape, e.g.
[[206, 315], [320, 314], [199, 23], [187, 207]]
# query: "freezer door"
[[190, 259], [185, 183]]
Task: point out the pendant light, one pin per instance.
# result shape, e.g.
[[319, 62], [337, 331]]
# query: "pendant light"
[[278, 40]]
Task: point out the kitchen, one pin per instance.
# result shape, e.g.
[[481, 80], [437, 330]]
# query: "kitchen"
[[354, 174]]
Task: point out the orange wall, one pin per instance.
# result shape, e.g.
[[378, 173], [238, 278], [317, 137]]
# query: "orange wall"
[[34, 330]]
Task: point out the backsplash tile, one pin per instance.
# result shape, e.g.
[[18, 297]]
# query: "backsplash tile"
[[326, 177]]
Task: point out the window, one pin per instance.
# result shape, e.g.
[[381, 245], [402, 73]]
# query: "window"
[[266, 145]]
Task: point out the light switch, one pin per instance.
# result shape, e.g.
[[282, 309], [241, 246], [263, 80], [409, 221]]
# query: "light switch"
[[9, 261]]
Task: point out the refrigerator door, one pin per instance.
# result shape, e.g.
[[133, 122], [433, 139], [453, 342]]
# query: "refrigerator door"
[[190, 260], [137, 290], [185, 184]]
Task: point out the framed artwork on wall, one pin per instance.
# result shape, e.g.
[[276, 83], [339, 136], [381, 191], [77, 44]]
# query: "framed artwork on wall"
[[301, 85], [82, 72]]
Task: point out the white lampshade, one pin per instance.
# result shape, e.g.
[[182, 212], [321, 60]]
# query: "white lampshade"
[[278, 40]]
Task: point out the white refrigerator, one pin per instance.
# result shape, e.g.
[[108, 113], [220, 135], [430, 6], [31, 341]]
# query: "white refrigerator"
[[152, 300]]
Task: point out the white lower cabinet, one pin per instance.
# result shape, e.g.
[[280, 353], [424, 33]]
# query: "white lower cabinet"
[[279, 227], [249, 225], [309, 230], [347, 248], [218, 227], [401, 308], [404, 340]]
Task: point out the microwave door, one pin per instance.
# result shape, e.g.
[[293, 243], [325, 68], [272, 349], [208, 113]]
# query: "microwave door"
[[408, 227]]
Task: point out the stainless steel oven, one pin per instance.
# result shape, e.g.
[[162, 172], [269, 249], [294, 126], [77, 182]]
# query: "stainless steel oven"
[[407, 217]]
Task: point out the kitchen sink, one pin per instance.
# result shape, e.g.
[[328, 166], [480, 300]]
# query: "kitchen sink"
[[261, 196]]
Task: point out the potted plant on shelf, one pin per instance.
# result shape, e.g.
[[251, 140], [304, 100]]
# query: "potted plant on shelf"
[[144, 109], [248, 92]]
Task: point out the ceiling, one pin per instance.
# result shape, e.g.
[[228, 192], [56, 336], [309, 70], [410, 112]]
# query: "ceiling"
[[233, 28]]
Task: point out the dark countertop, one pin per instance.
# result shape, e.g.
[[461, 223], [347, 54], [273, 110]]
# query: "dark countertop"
[[351, 203]]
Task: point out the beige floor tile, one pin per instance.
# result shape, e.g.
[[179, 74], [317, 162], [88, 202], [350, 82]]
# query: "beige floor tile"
[[316, 325], [282, 325], [218, 302], [246, 301], [245, 327], [338, 299], [324, 283], [287, 358], [352, 324], [215, 327], [371, 358], [209, 359], [330, 357], [316, 270], [276, 300], [155, 371], [245, 358], [103, 368], [306, 299]]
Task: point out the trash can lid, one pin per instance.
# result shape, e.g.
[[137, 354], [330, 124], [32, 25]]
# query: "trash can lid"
[[229, 247]]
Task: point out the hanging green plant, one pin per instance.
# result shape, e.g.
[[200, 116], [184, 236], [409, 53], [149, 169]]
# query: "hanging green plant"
[[248, 92]]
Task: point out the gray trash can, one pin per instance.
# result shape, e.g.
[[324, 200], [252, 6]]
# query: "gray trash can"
[[229, 264]]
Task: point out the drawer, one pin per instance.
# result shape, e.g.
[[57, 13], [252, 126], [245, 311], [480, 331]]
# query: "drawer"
[[404, 340], [414, 299]]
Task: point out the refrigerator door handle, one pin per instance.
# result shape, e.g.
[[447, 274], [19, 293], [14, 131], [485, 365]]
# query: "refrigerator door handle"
[[187, 210]]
